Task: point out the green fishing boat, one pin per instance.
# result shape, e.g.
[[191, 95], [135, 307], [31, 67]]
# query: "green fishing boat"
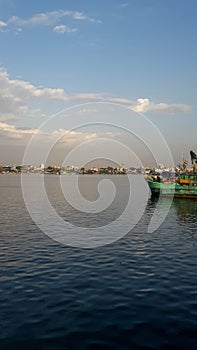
[[184, 185]]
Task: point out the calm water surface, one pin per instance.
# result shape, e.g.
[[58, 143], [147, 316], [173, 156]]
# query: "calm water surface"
[[137, 293]]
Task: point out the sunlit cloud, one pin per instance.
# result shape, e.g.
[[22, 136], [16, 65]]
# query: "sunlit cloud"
[[11, 131], [16, 96], [61, 136], [143, 105]]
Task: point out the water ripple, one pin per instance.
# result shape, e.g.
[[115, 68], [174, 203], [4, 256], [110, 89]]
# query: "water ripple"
[[138, 293]]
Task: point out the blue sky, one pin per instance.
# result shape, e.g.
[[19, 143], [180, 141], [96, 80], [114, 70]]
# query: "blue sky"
[[141, 53]]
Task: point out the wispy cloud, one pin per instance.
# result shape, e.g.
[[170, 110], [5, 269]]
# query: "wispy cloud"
[[50, 19], [124, 4], [82, 16], [65, 137], [79, 15], [143, 105], [17, 95], [39, 19], [11, 131], [3, 24], [61, 29]]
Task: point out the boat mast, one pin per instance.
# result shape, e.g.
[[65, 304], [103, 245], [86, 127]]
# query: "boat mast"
[[193, 160]]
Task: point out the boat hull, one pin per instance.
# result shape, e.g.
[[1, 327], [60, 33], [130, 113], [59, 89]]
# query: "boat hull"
[[172, 189]]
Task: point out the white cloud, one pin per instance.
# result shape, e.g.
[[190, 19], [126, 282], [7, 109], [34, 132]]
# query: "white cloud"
[[11, 131], [68, 137], [82, 16], [16, 96], [65, 137], [3, 27], [50, 19], [3, 24], [39, 19], [141, 105], [61, 29], [79, 15], [121, 100], [144, 105]]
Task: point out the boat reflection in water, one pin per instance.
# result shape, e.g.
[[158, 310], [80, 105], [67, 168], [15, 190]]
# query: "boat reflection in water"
[[182, 209], [186, 209]]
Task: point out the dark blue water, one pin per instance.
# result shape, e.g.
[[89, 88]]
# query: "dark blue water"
[[137, 293]]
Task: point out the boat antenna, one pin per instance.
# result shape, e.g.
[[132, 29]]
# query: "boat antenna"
[[182, 156]]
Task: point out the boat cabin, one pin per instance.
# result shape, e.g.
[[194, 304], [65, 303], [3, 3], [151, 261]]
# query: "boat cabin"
[[187, 179]]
